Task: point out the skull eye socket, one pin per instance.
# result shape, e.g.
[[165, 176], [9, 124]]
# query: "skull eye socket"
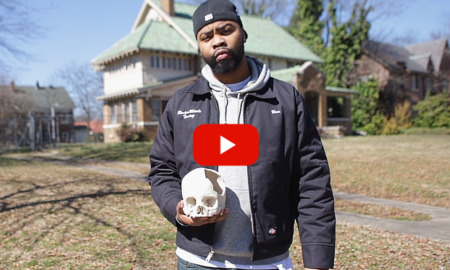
[[191, 201], [209, 201]]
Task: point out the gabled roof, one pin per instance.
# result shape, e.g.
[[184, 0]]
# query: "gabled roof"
[[175, 34], [435, 49], [287, 75], [46, 98], [423, 57], [394, 57]]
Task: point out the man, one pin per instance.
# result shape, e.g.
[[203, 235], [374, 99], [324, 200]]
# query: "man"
[[289, 181]]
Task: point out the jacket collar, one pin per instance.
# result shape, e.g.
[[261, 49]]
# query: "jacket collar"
[[201, 87]]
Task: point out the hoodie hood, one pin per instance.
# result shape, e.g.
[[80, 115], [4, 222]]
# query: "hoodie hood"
[[231, 103], [259, 77]]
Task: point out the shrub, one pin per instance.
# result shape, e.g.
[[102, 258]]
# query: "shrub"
[[364, 109], [127, 133], [433, 112], [400, 121]]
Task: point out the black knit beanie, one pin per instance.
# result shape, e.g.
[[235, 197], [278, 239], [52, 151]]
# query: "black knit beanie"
[[214, 10]]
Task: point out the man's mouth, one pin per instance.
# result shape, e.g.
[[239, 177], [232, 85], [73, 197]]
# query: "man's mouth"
[[221, 54]]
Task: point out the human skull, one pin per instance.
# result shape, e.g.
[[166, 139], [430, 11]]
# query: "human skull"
[[203, 192]]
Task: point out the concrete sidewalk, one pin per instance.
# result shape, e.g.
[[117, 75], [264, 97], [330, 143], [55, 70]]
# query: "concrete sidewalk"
[[438, 228]]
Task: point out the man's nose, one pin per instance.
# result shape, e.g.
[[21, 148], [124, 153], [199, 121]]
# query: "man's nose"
[[219, 41]]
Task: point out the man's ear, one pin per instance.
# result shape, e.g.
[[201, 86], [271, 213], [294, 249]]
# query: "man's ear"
[[245, 36]]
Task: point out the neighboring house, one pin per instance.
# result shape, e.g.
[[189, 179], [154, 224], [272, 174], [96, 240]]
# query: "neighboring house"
[[160, 55], [83, 134], [406, 73], [52, 111]]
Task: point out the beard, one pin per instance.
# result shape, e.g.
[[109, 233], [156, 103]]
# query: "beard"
[[229, 64]]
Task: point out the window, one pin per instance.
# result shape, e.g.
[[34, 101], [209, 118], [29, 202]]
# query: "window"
[[427, 85], [65, 119], [156, 110], [155, 61], [366, 77], [414, 83], [174, 62], [113, 114], [158, 107], [134, 117], [445, 86], [127, 111], [163, 62]]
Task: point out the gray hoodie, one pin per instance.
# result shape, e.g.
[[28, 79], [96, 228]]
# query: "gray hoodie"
[[234, 237]]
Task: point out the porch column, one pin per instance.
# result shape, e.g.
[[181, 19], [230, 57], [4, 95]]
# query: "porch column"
[[323, 106]]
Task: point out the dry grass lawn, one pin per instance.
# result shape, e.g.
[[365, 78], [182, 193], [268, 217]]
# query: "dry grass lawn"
[[409, 168], [54, 216]]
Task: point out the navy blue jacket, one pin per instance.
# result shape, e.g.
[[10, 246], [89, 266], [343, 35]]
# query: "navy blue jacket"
[[289, 181]]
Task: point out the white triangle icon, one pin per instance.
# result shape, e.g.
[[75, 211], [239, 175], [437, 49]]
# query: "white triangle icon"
[[225, 145]]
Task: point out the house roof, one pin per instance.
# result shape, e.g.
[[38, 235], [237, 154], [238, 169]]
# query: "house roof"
[[95, 125], [287, 75], [423, 57], [435, 49], [44, 98], [175, 34], [153, 88]]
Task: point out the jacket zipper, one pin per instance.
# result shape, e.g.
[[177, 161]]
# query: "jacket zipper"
[[250, 190], [211, 253], [216, 104]]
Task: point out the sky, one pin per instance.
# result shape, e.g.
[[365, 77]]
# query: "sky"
[[76, 31]]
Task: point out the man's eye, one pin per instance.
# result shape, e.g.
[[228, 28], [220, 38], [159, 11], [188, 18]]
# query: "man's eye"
[[205, 38]]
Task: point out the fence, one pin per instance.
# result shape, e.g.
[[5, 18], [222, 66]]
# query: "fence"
[[35, 131]]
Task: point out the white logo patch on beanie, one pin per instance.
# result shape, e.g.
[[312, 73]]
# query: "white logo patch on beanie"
[[208, 17]]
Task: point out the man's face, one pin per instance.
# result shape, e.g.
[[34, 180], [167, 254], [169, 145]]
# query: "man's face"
[[221, 45]]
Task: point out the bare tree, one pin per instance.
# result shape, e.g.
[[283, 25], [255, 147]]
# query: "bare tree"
[[16, 27], [381, 10], [84, 85], [274, 9], [444, 32], [263, 8]]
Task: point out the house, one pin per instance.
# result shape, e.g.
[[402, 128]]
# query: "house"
[[160, 55], [51, 111], [406, 73], [85, 133]]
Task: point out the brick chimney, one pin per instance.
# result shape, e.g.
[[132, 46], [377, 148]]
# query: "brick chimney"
[[167, 6], [13, 86]]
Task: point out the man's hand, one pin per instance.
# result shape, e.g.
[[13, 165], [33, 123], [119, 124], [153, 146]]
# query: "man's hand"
[[199, 221]]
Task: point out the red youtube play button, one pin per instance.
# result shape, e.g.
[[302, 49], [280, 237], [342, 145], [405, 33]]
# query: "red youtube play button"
[[226, 145]]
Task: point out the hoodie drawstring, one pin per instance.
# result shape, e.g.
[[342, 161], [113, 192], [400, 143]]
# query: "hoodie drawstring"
[[225, 104]]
